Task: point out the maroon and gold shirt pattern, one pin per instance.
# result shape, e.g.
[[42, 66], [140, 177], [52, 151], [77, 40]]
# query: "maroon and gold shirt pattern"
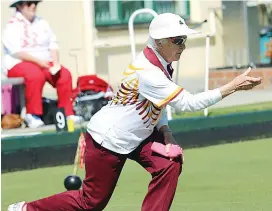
[[128, 94]]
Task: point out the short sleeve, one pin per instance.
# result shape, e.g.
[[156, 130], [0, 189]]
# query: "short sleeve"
[[156, 87], [11, 38], [163, 120]]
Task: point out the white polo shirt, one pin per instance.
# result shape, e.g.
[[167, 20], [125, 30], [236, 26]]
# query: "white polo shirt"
[[139, 105], [34, 38]]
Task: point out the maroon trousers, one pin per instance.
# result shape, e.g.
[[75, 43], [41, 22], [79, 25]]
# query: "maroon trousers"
[[35, 78], [103, 168]]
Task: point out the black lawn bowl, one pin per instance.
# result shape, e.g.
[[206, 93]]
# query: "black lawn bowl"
[[72, 182]]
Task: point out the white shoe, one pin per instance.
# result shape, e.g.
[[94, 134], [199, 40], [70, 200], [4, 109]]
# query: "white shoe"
[[76, 119], [33, 121], [17, 206]]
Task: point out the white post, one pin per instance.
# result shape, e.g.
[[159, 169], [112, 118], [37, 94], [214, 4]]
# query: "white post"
[[207, 58], [88, 8], [207, 64], [132, 42], [131, 27]]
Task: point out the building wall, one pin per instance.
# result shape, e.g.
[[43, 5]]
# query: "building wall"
[[112, 60], [113, 54], [221, 77]]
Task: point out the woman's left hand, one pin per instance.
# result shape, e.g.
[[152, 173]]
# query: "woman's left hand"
[[170, 140]]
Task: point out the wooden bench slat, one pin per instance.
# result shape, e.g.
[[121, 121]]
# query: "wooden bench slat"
[[12, 81]]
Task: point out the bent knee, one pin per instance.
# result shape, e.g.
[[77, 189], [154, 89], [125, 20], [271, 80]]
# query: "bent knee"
[[95, 203], [36, 77], [96, 200], [65, 76]]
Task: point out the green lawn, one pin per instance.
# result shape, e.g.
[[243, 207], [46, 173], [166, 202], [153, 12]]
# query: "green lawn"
[[230, 177], [228, 110]]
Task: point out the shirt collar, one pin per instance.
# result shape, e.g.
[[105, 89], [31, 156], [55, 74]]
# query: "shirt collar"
[[151, 44], [153, 58], [166, 65]]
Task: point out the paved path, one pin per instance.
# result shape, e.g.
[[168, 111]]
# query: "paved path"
[[30, 131]]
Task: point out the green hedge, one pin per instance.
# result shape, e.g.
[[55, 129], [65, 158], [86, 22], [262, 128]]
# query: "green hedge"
[[200, 123], [12, 144]]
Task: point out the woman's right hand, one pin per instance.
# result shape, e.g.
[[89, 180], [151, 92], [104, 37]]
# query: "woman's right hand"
[[241, 82], [246, 82], [44, 64]]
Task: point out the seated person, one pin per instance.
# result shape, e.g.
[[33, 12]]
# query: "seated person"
[[31, 52]]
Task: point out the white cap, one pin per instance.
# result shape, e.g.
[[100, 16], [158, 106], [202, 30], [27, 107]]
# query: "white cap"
[[169, 25], [14, 2]]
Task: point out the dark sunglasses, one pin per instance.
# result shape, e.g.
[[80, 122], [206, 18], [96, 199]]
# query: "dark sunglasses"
[[29, 3], [178, 40]]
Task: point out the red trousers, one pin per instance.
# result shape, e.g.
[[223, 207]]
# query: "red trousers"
[[103, 168], [35, 78]]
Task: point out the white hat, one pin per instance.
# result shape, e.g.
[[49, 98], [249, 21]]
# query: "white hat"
[[14, 2], [169, 25]]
